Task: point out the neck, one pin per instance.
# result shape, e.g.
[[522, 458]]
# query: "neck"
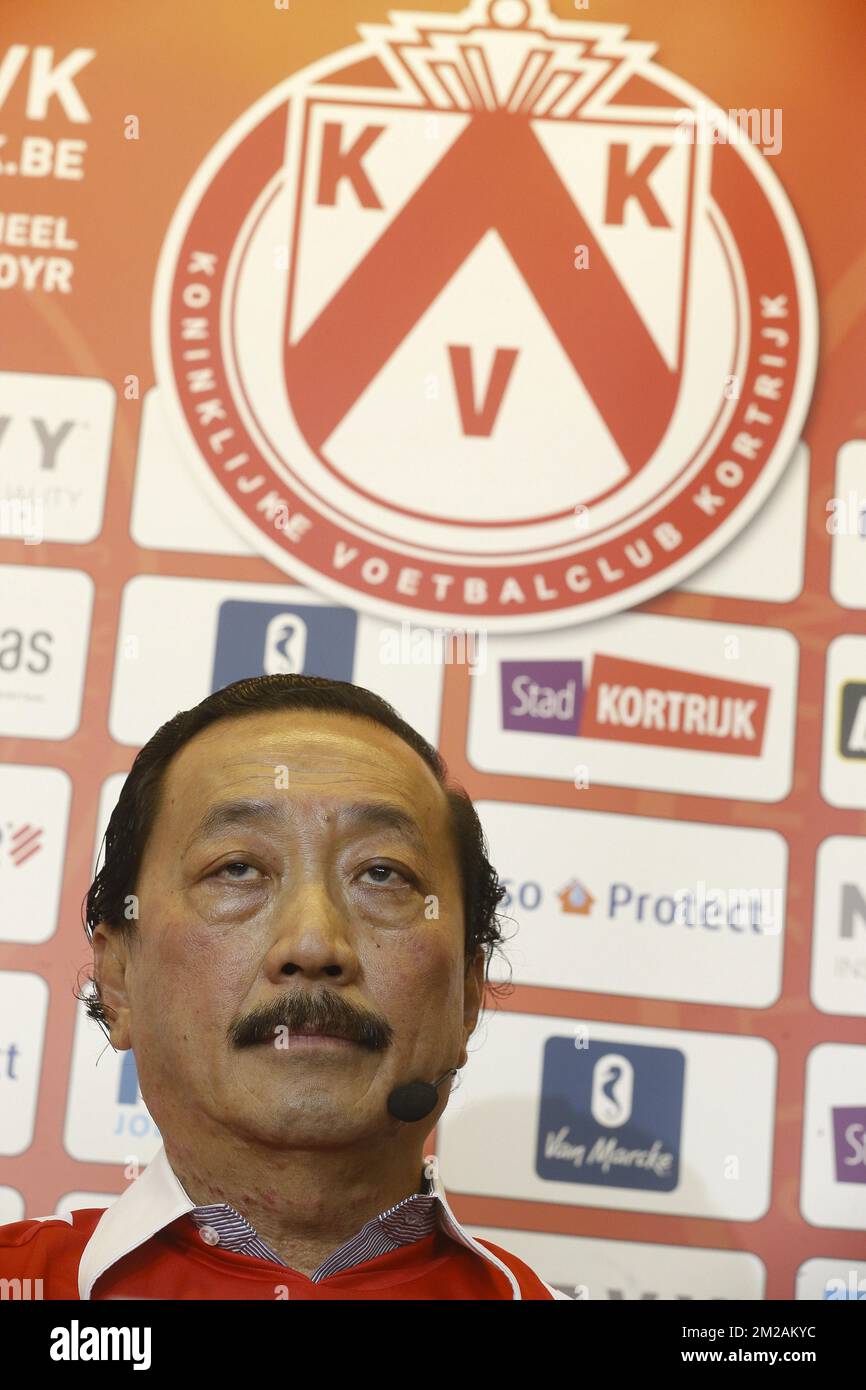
[[303, 1203]]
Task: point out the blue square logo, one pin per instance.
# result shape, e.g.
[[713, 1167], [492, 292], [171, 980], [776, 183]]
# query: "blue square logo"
[[611, 1114], [263, 639]]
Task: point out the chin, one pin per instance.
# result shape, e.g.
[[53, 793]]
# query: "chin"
[[309, 1117]]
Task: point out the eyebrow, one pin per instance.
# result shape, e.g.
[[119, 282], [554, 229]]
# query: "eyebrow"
[[361, 815]]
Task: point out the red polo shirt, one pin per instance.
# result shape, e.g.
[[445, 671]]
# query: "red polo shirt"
[[147, 1246], [175, 1263]]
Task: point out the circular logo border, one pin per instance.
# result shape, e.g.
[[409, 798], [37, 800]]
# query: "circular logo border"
[[365, 598]]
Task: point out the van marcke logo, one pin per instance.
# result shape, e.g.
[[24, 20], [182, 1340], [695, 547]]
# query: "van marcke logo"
[[266, 639], [636, 702], [466, 319], [611, 1114]]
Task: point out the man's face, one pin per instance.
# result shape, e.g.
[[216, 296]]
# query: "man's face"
[[295, 858]]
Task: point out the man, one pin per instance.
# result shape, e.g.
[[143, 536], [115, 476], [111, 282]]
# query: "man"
[[291, 930]]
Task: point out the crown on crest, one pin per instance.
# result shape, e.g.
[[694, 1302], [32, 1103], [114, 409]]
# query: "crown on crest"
[[506, 55]]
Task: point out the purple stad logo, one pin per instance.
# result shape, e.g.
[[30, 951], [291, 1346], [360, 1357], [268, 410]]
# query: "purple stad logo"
[[542, 697], [849, 1142]]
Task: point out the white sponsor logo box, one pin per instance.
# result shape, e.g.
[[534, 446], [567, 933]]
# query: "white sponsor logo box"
[[839, 926], [629, 905], [108, 796], [488, 1137], [727, 731], [831, 1280], [596, 1270], [43, 650], [11, 1206], [779, 529], [170, 511], [163, 666], [23, 1010], [843, 764], [84, 1201], [106, 1118], [833, 1173], [846, 521], [55, 444], [34, 814]]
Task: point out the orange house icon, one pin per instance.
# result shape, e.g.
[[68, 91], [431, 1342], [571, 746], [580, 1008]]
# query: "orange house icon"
[[576, 899]]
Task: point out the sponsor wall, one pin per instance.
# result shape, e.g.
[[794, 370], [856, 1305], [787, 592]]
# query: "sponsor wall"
[[471, 354]]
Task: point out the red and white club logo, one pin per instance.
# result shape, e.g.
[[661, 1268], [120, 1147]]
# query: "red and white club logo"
[[470, 322]]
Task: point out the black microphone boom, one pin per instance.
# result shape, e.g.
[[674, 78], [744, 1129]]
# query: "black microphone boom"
[[416, 1099]]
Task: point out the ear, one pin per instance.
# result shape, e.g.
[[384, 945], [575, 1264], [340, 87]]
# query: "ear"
[[110, 961], [473, 995]]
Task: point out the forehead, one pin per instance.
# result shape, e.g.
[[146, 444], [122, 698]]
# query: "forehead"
[[328, 758]]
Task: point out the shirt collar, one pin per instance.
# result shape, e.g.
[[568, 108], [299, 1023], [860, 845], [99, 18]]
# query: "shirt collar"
[[405, 1222], [156, 1198]]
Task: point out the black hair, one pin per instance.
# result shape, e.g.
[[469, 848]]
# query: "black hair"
[[133, 817]]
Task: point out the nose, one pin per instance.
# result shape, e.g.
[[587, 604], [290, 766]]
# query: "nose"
[[313, 938]]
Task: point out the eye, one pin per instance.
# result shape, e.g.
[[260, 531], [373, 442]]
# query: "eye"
[[235, 864], [387, 869]]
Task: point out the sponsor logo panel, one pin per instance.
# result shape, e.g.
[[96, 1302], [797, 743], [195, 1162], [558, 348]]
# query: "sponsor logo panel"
[[839, 926], [719, 1124], [55, 444], [636, 906], [108, 797], [596, 1270], [106, 1118], [594, 705], [192, 523], [84, 1201], [23, 1011], [34, 815], [846, 522], [779, 529], [831, 1281], [833, 1175], [43, 650], [11, 1206], [235, 630]]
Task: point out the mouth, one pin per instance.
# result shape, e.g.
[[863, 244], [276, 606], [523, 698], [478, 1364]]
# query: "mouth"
[[309, 1038]]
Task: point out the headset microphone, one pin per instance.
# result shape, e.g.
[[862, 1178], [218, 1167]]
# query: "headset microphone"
[[417, 1099]]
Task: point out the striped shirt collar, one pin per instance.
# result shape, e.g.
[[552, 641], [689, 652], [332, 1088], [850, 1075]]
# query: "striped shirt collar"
[[407, 1221], [156, 1199]]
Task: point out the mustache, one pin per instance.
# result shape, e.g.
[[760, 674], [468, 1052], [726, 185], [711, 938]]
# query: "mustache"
[[326, 1012]]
